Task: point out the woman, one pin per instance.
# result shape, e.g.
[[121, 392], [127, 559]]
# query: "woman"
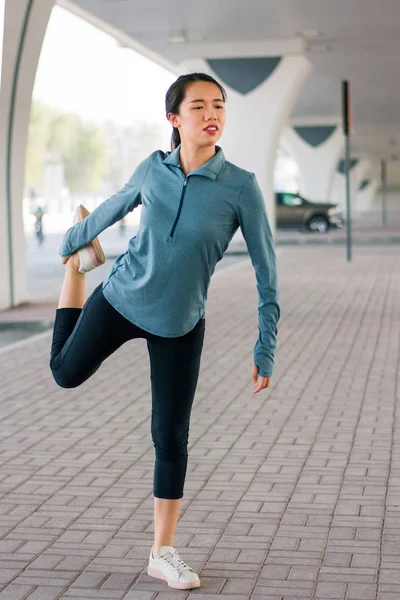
[[193, 201]]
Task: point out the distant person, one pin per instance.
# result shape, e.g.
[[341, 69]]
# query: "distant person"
[[122, 227], [193, 201], [38, 214]]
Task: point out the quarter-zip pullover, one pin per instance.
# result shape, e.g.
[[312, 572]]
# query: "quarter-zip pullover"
[[187, 221]]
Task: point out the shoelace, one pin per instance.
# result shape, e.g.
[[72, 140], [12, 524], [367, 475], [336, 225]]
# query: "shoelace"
[[174, 560]]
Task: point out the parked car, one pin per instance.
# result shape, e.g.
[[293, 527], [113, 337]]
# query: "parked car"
[[292, 210]]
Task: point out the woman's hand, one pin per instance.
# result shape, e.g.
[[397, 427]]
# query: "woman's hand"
[[65, 259], [263, 382]]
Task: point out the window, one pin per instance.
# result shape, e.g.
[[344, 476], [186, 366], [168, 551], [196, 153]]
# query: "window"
[[291, 200]]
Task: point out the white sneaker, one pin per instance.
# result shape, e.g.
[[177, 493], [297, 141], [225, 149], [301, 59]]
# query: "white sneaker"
[[91, 255], [169, 567]]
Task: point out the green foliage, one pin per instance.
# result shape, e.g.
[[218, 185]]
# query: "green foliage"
[[84, 159], [38, 140], [127, 147], [79, 146], [89, 153]]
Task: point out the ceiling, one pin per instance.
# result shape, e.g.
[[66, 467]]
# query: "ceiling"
[[359, 40]]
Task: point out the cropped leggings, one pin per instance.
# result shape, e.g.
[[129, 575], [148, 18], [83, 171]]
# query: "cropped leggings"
[[84, 338]]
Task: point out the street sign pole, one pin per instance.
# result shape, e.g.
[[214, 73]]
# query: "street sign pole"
[[346, 106], [384, 192]]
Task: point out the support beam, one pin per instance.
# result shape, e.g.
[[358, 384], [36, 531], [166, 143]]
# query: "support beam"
[[359, 171], [255, 119], [2, 9], [384, 192], [25, 24], [316, 150]]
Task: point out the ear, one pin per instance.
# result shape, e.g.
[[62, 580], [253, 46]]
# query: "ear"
[[173, 119]]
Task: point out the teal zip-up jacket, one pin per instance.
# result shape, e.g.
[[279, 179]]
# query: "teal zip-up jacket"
[[187, 221]]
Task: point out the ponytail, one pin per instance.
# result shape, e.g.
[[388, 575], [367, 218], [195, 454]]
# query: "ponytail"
[[175, 138]]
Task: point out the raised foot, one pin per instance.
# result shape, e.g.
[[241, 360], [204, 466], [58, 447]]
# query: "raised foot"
[[91, 255]]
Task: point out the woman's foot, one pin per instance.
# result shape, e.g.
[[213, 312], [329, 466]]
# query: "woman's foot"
[[74, 263], [91, 255], [169, 567]]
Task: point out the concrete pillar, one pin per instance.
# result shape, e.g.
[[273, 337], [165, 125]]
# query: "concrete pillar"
[[316, 148], [2, 7], [359, 168], [25, 24], [261, 95], [367, 195]]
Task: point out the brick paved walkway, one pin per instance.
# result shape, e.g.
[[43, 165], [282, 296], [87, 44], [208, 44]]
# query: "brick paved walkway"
[[291, 495]]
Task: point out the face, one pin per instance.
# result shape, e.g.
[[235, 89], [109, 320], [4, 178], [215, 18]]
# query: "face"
[[201, 117]]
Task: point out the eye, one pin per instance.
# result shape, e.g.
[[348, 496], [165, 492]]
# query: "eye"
[[197, 107], [220, 106]]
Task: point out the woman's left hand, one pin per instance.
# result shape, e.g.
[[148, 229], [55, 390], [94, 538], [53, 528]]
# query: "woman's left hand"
[[261, 383]]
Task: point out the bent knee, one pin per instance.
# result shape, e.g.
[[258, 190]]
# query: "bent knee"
[[64, 379], [66, 383]]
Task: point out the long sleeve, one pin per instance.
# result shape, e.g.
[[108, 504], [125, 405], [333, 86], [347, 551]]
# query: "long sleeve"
[[256, 231], [109, 212]]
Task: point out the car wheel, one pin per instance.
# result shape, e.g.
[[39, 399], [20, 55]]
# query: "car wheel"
[[318, 223]]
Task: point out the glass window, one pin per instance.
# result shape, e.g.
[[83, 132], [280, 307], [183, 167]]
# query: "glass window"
[[291, 200]]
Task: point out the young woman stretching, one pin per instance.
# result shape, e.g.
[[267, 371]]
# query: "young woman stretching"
[[193, 201]]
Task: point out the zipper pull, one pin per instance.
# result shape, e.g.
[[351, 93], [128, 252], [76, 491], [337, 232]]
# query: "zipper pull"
[[185, 182]]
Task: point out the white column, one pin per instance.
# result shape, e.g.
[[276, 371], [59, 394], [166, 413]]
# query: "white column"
[[255, 119], [358, 172], [25, 24], [316, 149], [2, 8], [367, 195]]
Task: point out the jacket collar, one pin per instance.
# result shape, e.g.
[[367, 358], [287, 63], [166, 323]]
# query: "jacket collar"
[[210, 169]]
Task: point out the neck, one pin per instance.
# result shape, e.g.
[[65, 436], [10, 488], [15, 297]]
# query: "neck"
[[193, 158]]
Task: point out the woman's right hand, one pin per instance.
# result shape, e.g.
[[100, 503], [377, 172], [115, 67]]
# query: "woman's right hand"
[[65, 259]]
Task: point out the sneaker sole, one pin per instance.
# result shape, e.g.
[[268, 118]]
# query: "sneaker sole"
[[173, 584]]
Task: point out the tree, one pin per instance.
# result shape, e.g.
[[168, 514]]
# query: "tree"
[[85, 159], [37, 143], [127, 147], [80, 146]]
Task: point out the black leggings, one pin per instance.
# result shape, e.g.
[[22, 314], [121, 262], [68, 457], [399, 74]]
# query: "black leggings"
[[84, 338]]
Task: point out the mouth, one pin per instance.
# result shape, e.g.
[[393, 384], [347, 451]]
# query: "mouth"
[[211, 129]]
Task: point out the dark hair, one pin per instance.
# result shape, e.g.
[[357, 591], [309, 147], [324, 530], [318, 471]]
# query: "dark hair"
[[176, 94]]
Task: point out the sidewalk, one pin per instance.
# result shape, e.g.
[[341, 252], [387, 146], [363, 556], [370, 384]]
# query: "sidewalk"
[[290, 495], [362, 234]]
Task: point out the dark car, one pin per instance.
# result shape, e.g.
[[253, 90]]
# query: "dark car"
[[292, 210]]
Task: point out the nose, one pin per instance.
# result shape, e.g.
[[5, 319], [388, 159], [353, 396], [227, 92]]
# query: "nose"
[[210, 114]]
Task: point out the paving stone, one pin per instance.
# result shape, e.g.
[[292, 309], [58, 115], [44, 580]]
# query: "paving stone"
[[222, 596], [275, 572], [118, 582], [337, 559], [356, 591], [179, 595], [305, 573], [46, 593], [364, 560], [335, 591], [89, 580], [77, 594], [238, 586], [16, 592], [220, 555]]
